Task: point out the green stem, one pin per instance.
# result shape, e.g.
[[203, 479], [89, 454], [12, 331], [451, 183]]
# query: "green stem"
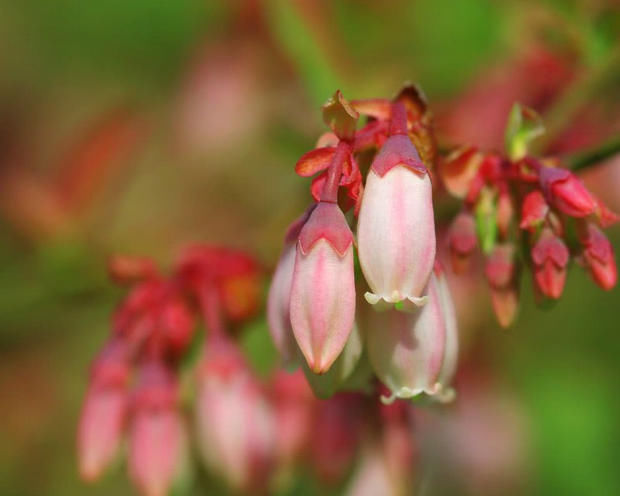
[[588, 158]]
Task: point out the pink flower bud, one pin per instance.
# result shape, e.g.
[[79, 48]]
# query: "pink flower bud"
[[598, 256], [372, 475], [505, 212], [104, 413], [157, 439], [396, 227], [566, 193], [279, 299], [501, 274], [462, 240], [235, 424], [323, 288], [550, 256], [533, 211], [415, 353]]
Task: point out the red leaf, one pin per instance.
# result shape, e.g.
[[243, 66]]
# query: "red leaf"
[[314, 161]]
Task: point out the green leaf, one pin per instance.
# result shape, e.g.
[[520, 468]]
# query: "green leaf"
[[340, 116], [523, 126]]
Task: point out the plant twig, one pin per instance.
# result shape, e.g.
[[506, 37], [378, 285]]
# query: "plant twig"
[[593, 156]]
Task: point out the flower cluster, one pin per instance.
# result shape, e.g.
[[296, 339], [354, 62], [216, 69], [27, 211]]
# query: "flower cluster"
[[135, 380], [516, 200], [411, 344]]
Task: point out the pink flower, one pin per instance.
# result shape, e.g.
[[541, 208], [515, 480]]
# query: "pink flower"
[[323, 288], [104, 412], [598, 256], [396, 227], [235, 423], [415, 353], [566, 193], [279, 299], [157, 439], [550, 256]]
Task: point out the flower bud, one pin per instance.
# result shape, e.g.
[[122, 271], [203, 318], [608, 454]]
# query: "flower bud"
[[501, 274], [279, 299], [104, 413], [415, 353], [396, 227], [550, 256], [325, 385], [323, 289], [235, 425], [566, 193], [533, 211], [598, 257], [372, 475], [462, 241], [157, 439]]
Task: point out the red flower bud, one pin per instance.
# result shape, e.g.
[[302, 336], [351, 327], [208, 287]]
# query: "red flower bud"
[[462, 240], [501, 274], [565, 192], [533, 211], [550, 256], [598, 257]]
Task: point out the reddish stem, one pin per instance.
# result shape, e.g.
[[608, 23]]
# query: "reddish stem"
[[334, 172], [399, 119]]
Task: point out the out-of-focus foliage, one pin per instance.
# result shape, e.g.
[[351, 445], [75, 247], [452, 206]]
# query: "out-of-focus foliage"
[[226, 97]]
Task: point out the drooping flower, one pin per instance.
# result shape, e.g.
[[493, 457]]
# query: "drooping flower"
[[279, 299], [323, 289], [414, 353], [104, 412], [550, 256], [235, 424], [598, 257], [157, 438], [396, 227]]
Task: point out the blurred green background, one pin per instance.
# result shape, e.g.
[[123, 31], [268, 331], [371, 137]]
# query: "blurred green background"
[[139, 126]]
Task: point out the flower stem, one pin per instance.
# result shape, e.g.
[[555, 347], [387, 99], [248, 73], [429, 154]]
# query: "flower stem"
[[588, 158], [399, 119], [330, 189]]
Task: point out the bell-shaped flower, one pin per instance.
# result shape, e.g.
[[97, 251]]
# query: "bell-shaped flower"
[[235, 423], [396, 226], [566, 192], [104, 412], [502, 275], [157, 437], [598, 257], [462, 241], [415, 353], [550, 257], [336, 378], [323, 289], [279, 299]]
